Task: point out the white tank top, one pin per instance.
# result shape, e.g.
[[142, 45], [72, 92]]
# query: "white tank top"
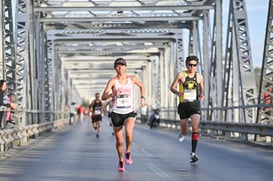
[[123, 103]]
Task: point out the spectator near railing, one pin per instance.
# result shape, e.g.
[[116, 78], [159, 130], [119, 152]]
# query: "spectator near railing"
[[4, 103]]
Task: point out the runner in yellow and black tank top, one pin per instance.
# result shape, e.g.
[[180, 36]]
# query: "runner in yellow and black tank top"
[[189, 103], [189, 88], [190, 93]]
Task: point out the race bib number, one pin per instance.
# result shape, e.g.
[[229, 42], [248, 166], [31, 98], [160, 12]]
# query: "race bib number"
[[124, 101], [189, 95], [97, 112]]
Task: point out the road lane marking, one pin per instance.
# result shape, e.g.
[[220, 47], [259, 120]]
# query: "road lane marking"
[[157, 170]]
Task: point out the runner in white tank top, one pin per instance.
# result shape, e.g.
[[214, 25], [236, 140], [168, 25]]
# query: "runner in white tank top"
[[123, 104], [120, 90]]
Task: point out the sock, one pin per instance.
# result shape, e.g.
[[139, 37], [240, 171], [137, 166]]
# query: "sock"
[[194, 141]]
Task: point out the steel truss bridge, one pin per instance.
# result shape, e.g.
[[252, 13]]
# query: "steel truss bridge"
[[57, 51]]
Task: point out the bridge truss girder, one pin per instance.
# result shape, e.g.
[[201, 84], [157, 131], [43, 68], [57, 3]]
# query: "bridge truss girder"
[[132, 49], [15, 54], [265, 112], [239, 91], [43, 65]]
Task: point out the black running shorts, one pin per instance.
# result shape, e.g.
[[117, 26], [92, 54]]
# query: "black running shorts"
[[119, 119], [187, 109], [96, 118]]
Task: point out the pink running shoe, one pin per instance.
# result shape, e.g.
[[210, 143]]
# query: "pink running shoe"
[[128, 158], [121, 167]]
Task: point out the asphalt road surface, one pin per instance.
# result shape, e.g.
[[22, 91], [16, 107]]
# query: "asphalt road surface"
[[75, 154]]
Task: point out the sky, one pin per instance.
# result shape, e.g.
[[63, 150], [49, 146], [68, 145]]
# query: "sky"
[[257, 11]]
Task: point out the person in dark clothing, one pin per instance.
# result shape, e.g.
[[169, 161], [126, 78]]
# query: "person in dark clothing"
[[96, 110], [190, 93], [4, 103]]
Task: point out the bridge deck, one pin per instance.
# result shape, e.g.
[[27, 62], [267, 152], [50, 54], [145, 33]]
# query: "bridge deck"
[[75, 153]]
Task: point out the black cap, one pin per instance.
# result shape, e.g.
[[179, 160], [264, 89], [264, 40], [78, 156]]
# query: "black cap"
[[120, 61]]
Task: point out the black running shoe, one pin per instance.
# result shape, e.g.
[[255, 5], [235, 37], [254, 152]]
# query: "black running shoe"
[[194, 158]]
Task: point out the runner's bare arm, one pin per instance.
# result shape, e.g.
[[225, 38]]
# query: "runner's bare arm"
[[107, 93]]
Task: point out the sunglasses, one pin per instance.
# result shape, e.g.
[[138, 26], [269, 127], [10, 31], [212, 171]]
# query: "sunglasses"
[[192, 65]]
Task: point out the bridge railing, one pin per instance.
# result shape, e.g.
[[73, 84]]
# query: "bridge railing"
[[252, 132], [256, 133], [13, 135]]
